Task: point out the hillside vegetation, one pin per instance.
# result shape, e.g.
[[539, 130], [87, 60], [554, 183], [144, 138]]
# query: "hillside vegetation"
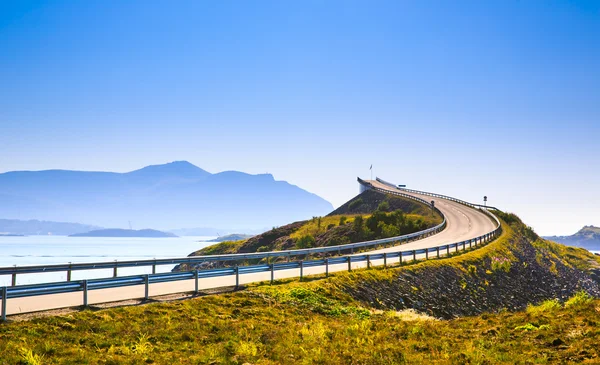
[[519, 300], [378, 216]]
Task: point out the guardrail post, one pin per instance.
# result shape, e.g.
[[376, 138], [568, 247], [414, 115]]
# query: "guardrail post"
[[14, 279], [426, 254], [464, 245], [69, 272], [448, 250], [301, 269], [438, 252], [237, 276], [470, 244], [368, 261], [349, 263], [115, 270], [385, 259], [147, 286], [85, 293], [400, 258], [4, 298], [272, 273], [351, 250], [326, 268], [196, 281], [414, 255], [456, 247], [288, 257], [154, 268]]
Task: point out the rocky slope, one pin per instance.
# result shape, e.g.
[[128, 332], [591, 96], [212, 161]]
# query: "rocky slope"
[[518, 269]]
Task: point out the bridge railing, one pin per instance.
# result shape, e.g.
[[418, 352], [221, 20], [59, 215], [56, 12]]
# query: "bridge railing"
[[85, 286], [191, 261], [436, 195]]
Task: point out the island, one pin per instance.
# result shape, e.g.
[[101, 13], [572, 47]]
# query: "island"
[[231, 237], [11, 235], [116, 232], [588, 237]]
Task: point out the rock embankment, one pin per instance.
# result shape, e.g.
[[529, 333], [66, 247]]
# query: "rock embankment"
[[509, 276]]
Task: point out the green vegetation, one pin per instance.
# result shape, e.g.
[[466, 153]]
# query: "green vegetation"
[[292, 325], [321, 322], [224, 247], [318, 225], [355, 204], [307, 241]]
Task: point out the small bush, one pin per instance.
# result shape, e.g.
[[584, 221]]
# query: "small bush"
[[580, 299], [501, 263], [343, 220], [29, 358], [307, 241], [547, 306], [355, 204], [383, 207]]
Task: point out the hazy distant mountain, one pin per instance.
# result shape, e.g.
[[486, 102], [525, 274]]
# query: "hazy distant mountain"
[[35, 227], [177, 194], [231, 237], [588, 237], [146, 233]]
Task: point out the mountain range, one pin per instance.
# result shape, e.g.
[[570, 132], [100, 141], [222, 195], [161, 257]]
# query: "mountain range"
[[35, 227], [168, 196], [588, 237]]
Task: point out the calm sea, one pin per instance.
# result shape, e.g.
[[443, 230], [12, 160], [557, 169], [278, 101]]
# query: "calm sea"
[[39, 250]]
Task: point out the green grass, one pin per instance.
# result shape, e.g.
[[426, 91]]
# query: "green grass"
[[319, 225], [222, 248], [288, 326]]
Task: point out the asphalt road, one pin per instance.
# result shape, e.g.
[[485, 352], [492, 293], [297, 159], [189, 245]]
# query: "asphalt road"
[[463, 223]]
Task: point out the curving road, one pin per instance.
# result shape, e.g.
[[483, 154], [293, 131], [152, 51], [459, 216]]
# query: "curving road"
[[463, 223]]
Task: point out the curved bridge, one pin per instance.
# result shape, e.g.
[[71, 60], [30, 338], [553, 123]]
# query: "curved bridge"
[[465, 226]]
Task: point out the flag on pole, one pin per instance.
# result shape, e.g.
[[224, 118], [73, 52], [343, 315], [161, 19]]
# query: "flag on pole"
[[371, 168]]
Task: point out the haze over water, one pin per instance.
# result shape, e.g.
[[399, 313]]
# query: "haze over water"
[[41, 250]]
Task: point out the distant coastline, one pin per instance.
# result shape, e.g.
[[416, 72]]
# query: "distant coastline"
[[144, 233], [231, 237]]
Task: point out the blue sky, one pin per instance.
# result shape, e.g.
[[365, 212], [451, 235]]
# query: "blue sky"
[[467, 98]]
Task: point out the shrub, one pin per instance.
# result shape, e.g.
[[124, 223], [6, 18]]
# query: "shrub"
[[358, 224], [547, 306], [307, 241], [330, 226], [343, 220], [355, 204], [384, 207], [580, 299], [501, 263]]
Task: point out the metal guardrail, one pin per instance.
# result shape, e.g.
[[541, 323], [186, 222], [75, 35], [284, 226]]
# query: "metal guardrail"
[[115, 265], [85, 286], [436, 195]]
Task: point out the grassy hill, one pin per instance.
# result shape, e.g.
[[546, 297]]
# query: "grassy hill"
[[370, 215], [520, 299]]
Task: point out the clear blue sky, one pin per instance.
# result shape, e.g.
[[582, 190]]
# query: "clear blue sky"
[[490, 97]]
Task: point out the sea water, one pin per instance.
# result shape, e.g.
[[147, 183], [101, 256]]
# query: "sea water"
[[46, 250]]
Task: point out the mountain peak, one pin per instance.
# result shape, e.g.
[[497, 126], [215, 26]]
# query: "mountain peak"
[[176, 168]]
